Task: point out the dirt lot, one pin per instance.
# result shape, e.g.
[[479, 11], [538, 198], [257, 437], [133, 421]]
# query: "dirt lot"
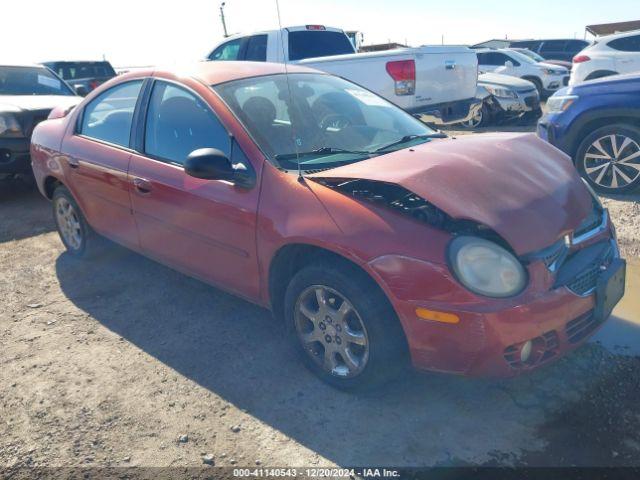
[[121, 361]]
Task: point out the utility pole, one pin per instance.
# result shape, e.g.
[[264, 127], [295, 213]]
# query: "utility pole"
[[224, 25]]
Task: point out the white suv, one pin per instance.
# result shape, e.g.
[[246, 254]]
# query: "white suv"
[[610, 55], [546, 77]]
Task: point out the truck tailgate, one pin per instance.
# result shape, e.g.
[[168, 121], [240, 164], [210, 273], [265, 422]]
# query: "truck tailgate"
[[445, 74]]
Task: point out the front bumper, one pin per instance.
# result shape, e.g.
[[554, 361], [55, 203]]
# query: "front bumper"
[[525, 102], [552, 83], [490, 335], [14, 156], [448, 113]]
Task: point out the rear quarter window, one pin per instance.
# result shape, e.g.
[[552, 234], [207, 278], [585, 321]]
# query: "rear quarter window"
[[312, 43], [109, 116]]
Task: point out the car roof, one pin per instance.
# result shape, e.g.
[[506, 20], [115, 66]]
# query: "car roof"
[[217, 72], [24, 65]]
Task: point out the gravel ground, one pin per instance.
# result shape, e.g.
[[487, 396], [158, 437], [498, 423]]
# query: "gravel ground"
[[123, 362]]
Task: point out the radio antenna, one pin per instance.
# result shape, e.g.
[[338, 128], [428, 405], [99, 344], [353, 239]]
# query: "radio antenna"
[[286, 75]]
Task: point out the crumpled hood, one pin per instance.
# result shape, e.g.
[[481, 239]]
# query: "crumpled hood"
[[16, 103], [521, 187], [509, 81]]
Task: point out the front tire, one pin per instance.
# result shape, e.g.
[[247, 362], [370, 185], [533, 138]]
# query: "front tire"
[[343, 327], [609, 158], [77, 236], [479, 120]]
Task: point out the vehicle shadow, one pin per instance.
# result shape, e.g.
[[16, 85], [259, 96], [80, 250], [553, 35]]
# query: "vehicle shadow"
[[23, 211], [238, 351]]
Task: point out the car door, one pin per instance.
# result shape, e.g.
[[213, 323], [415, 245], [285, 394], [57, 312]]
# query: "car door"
[[206, 228], [627, 56], [98, 152]]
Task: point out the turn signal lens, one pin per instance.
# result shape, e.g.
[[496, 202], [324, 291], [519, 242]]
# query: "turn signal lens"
[[436, 316]]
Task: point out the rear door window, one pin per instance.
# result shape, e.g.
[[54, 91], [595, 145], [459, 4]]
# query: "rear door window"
[[109, 116], [179, 122], [227, 51], [256, 49]]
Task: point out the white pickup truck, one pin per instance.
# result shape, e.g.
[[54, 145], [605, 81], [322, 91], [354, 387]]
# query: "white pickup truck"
[[437, 84]]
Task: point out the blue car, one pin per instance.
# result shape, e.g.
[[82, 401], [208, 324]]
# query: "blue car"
[[597, 123]]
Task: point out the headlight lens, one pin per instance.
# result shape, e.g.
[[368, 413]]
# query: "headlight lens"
[[560, 103], [486, 268], [9, 126], [551, 71], [501, 92]]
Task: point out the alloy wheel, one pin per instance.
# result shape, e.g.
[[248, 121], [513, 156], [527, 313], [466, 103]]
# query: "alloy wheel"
[[331, 331], [613, 161], [68, 223], [475, 121]]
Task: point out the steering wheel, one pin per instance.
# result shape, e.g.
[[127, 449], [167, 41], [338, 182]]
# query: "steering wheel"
[[334, 121]]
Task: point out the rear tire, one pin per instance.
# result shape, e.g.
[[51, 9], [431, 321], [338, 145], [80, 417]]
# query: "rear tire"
[[538, 83], [605, 164], [77, 236], [349, 334]]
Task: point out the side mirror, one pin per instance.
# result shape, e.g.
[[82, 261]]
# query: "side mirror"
[[81, 90], [209, 164], [508, 64]]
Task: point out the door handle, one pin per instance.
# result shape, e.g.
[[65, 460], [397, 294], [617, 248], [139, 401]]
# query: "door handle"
[[450, 64], [73, 162], [142, 186]]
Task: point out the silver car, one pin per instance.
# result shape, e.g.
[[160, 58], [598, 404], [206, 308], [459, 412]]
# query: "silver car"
[[505, 99]]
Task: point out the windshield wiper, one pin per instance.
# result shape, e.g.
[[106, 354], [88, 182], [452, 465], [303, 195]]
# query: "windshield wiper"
[[408, 138], [320, 151]]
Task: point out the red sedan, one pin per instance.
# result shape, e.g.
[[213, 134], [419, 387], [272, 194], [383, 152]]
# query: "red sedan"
[[374, 238]]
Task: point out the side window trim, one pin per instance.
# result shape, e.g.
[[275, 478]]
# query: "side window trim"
[[79, 119], [142, 125]]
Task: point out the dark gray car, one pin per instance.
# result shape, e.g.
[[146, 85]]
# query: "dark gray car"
[[83, 76]]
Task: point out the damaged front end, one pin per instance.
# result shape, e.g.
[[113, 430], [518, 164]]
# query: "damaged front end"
[[408, 203]]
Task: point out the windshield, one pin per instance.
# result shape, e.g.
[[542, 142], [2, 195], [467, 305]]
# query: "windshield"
[[325, 122], [520, 57], [31, 81], [530, 54], [318, 43]]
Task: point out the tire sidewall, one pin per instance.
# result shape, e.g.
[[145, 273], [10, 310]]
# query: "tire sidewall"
[[618, 129], [377, 315]]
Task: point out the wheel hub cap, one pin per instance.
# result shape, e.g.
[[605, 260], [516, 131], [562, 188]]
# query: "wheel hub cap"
[[613, 161], [331, 331], [68, 223]]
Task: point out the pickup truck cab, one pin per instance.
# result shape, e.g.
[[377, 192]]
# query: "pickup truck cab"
[[435, 83]]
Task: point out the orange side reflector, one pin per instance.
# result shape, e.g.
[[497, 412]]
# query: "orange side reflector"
[[442, 317]]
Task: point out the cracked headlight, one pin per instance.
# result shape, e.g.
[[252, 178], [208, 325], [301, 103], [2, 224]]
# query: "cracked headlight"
[[486, 268], [9, 126]]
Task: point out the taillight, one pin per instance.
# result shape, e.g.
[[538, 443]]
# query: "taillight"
[[316, 27], [403, 73], [581, 59]]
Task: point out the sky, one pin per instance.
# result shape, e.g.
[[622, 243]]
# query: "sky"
[[151, 32]]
